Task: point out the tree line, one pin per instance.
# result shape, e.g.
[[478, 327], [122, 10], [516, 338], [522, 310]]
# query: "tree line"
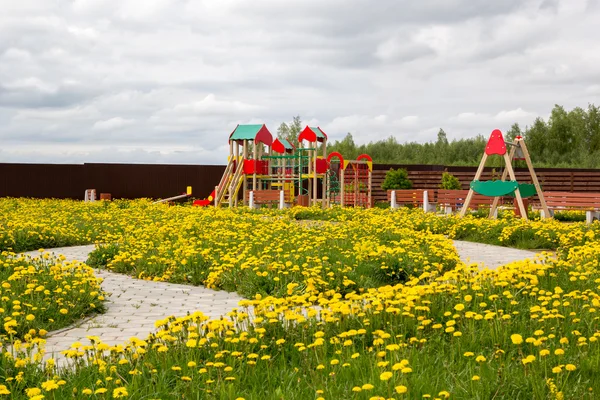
[[567, 139]]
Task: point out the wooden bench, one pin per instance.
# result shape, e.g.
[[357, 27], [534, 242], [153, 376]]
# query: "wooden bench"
[[416, 197], [268, 197], [451, 200], [588, 202]]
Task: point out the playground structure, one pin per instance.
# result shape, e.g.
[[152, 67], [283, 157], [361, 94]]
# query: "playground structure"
[[496, 189], [263, 170]]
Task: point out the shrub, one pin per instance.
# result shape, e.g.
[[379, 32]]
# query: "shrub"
[[396, 179], [450, 182]]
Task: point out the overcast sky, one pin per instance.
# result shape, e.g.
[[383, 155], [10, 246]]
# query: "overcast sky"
[[165, 81]]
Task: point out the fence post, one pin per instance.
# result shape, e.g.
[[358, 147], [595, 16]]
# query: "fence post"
[[281, 200], [393, 200], [426, 201], [251, 200]]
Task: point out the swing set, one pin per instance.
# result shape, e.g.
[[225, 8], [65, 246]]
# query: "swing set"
[[503, 187]]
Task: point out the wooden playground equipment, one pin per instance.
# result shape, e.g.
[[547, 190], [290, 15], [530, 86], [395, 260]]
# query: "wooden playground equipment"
[[269, 171], [499, 188]]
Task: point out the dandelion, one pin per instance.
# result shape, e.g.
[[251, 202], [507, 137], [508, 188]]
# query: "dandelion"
[[529, 359], [400, 389], [49, 385], [516, 338], [557, 370], [385, 376], [119, 392]]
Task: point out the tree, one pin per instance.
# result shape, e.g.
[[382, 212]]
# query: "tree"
[[396, 179], [513, 132], [442, 138], [283, 132], [295, 129], [290, 131], [345, 147]]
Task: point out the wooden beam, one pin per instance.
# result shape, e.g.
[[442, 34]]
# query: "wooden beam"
[[511, 155], [511, 172], [463, 211], [534, 178]]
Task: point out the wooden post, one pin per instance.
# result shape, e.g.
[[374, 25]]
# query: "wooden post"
[[241, 165], [255, 164], [511, 172], [325, 175], [493, 212], [238, 164], [467, 202], [315, 196], [342, 184], [369, 187], [534, 178]]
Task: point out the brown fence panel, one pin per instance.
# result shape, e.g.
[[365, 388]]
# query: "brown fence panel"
[[120, 180], [131, 181], [42, 180]]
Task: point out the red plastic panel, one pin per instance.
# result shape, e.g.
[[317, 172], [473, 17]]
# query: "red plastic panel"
[[495, 144], [262, 167], [249, 167], [278, 147], [321, 165]]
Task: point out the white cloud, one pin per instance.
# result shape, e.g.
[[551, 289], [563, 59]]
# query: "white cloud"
[[141, 76], [112, 124]]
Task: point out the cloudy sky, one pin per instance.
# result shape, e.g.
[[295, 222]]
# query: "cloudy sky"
[[165, 81]]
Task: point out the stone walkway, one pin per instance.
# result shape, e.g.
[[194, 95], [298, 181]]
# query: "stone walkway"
[[486, 255], [134, 305]]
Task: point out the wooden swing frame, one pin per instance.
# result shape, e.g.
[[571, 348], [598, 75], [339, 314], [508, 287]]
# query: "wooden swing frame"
[[518, 142]]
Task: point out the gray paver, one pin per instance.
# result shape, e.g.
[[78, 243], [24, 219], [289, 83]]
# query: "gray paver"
[[489, 256], [134, 305]]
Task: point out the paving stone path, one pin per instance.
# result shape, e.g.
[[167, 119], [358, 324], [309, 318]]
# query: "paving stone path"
[[486, 255], [134, 305]]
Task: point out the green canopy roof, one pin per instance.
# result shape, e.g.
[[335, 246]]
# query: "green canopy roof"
[[320, 134], [259, 133], [286, 143]]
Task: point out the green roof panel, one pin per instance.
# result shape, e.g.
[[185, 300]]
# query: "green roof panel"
[[286, 143], [318, 132], [245, 132]]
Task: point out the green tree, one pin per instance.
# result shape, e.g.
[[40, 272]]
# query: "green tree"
[[283, 132], [513, 132], [290, 131], [396, 179], [346, 147]]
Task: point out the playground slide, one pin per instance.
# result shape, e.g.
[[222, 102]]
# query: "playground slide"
[[206, 202], [234, 181]]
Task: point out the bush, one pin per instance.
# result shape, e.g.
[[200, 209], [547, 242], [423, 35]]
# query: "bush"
[[396, 179], [450, 182]]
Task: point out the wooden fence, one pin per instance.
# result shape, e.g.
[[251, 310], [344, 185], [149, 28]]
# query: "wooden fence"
[[127, 181], [430, 177], [159, 181]]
